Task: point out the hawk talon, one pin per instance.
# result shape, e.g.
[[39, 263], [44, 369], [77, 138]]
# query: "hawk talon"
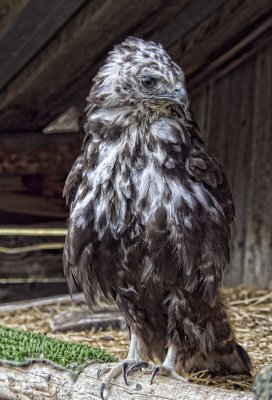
[[154, 373], [162, 129], [98, 372], [138, 365], [121, 368], [102, 389], [124, 372], [168, 371], [102, 370]]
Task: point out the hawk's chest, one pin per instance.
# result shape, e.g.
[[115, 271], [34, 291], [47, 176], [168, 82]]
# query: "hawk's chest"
[[133, 176]]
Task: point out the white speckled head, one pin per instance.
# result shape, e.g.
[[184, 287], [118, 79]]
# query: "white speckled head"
[[138, 73]]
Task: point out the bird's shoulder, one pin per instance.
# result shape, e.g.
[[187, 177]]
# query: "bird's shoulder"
[[73, 180], [204, 167]]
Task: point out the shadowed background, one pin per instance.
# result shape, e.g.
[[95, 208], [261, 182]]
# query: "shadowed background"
[[49, 52]]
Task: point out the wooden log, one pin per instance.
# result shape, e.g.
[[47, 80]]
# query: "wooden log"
[[83, 320], [43, 381], [44, 301]]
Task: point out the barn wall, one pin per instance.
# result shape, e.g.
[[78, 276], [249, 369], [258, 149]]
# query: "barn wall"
[[232, 104], [234, 112]]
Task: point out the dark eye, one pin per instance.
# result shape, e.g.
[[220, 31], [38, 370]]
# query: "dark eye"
[[148, 82]]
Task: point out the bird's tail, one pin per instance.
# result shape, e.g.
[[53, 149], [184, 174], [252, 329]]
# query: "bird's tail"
[[209, 343], [228, 360]]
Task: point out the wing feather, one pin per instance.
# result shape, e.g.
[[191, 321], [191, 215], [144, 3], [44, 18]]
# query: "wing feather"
[[78, 248], [205, 168], [73, 180]]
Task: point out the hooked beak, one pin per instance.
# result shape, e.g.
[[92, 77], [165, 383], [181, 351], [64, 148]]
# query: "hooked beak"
[[179, 96]]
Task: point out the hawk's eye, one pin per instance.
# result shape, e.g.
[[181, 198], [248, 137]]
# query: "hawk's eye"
[[148, 82]]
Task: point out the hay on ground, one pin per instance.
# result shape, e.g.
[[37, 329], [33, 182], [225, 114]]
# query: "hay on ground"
[[250, 312]]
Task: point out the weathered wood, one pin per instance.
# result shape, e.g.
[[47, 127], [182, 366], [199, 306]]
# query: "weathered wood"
[[33, 265], [33, 231], [237, 129], [9, 10], [258, 249], [33, 205], [220, 32], [44, 301], [36, 153], [33, 169], [71, 55], [224, 63], [23, 289], [110, 318], [35, 26], [44, 381], [176, 20], [31, 274], [168, 23]]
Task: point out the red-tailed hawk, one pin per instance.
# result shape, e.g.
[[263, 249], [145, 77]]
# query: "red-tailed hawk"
[[150, 212]]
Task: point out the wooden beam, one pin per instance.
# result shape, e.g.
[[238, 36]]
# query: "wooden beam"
[[72, 57], [24, 290], [33, 205], [9, 10], [177, 20], [85, 41], [174, 22], [33, 266], [35, 26], [14, 306], [33, 169], [37, 153], [236, 26], [33, 231], [31, 100]]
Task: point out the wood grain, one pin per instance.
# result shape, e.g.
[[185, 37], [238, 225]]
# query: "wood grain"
[[41, 381], [233, 111]]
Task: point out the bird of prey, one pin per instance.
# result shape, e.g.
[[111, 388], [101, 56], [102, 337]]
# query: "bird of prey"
[[150, 216]]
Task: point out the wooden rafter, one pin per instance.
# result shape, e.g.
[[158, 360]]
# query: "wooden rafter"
[[60, 74]]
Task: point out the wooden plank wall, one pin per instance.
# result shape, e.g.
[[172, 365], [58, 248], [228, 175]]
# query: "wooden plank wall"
[[234, 113], [33, 268], [33, 169], [228, 62]]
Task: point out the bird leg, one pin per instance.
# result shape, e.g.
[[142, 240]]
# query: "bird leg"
[[168, 366], [131, 363]]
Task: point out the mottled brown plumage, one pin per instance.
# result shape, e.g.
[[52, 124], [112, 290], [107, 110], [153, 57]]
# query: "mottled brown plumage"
[[150, 213]]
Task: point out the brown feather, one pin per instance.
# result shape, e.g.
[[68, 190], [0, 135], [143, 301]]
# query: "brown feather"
[[150, 214]]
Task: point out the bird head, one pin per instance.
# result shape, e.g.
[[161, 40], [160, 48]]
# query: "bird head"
[[141, 76]]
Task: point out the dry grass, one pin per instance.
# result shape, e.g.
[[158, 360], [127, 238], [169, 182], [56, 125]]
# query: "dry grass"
[[250, 312]]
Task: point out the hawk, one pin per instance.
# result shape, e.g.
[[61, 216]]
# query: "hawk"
[[150, 216]]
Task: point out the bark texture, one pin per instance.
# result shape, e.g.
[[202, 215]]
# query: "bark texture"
[[41, 381]]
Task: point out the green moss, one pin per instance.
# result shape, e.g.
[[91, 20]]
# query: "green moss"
[[19, 346]]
